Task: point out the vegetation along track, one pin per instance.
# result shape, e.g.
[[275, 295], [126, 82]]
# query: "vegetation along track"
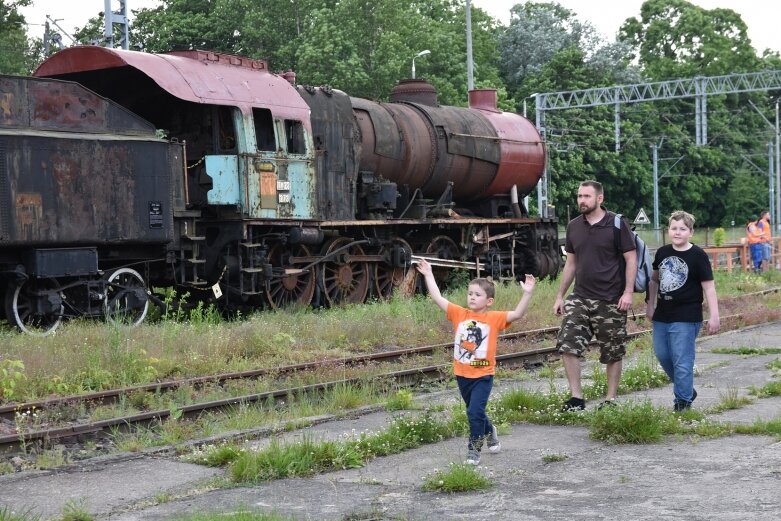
[[70, 429]]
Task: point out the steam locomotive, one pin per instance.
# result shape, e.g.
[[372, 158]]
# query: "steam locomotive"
[[123, 171]]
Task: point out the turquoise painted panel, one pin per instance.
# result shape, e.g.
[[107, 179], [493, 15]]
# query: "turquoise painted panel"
[[300, 174], [226, 185]]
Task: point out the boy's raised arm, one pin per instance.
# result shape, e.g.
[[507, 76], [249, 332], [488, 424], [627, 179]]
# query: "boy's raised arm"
[[520, 309], [431, 284]]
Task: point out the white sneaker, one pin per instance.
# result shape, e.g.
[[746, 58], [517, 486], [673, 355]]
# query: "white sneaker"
[[493, 441], [473, 457]]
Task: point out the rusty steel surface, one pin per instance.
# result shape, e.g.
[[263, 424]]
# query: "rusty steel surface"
[[482, 151], [78, 169], [332, 130], [195, 76], [50, 105], [522, 150]]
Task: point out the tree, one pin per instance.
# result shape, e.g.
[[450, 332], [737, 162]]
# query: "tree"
[[15, 49], [537, 31], [360, 46], [675, 38]]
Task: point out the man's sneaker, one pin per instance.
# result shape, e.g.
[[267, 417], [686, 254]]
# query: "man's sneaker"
[[573, 404], [473, 457], [682, 405], [493, 441], [606, 404]]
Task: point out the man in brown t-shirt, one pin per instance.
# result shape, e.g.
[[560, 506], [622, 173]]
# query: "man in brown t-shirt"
[[602, 295]]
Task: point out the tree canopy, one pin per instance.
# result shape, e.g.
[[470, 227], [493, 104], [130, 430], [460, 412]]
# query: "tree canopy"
[[365, 47]]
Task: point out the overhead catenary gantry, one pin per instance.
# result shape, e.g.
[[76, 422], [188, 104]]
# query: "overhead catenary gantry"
[[699, 88]]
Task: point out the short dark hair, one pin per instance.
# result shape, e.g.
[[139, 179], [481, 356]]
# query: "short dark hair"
[[596, 185], [486, 285]]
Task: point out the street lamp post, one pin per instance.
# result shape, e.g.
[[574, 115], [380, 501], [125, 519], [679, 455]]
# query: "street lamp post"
[[524, 101], [421, 53]]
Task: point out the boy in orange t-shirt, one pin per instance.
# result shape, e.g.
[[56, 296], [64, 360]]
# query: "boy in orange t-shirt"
[[474, 351]]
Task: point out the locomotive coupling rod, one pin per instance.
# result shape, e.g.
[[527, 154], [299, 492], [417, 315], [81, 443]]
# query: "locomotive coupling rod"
[[448, 263]]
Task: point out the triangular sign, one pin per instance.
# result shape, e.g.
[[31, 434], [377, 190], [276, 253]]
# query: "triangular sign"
[[641, 218]]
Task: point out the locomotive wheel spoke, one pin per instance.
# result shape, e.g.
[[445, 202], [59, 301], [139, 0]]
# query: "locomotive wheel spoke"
[[126, 297], [23, 310], [444, 248], [388, 278], [290, 290], [344, 282]]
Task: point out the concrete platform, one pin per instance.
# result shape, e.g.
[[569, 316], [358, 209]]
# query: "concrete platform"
[[737, 477]]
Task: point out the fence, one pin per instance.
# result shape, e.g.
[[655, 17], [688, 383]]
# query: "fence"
[[726, 257]]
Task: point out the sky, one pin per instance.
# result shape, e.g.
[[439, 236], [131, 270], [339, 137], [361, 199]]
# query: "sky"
[[761, 16]]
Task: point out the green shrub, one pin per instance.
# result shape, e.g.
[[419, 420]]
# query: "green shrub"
[[719, 236]]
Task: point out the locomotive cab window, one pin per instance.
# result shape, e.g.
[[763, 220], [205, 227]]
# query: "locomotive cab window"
[[294, 130], [226, 130], [264, 130]]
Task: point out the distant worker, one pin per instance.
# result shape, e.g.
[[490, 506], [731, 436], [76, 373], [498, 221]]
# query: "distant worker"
[[474, 352], [754, 239], [763, 224]]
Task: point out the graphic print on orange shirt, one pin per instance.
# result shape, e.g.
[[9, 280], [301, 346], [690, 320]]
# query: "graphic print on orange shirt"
[[471, 341]]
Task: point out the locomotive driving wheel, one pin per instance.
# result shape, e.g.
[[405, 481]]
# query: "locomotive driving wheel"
[[296, 287], [387, 278], [444, 248], [34, 306], [345, 281], [126, 300]]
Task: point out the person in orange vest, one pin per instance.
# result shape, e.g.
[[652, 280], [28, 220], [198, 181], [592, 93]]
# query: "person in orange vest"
[[754, 239], [763, 224]]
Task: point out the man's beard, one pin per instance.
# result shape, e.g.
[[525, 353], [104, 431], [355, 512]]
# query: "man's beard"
[[585, 209]]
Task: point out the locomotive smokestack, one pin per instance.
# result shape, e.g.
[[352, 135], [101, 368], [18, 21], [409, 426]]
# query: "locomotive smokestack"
[[483, 99]]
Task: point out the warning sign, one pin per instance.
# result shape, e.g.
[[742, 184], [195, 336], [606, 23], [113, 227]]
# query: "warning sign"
[[641, 218]]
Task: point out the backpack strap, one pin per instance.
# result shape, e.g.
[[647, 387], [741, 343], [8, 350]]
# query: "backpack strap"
[[617, 233]]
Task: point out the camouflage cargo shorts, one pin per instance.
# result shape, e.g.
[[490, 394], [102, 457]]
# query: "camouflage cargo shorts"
[[586, 318]]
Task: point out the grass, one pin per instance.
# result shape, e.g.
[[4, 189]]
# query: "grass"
[[729, 400], [747, 351], [767, 390], [241, 514], [628, 422], [554, 457], [460, 477], [402, 400], [6, 514], [76, 511], [86, 355]]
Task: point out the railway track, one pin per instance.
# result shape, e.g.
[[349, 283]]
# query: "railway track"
[[74, 430]]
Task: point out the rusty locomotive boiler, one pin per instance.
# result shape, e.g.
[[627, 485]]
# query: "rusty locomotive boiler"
[[262, 193]]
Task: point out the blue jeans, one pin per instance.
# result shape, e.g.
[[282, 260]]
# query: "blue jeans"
[[674, 347], [475, 392], [756, 255]]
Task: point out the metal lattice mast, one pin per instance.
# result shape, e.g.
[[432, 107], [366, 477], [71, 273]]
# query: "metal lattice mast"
[[113, 18], [699, 88]]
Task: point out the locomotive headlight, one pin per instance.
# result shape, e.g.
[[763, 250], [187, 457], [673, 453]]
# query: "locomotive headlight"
[[264, 166]]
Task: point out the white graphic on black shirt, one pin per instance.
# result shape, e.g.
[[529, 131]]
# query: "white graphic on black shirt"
[[673, 274]]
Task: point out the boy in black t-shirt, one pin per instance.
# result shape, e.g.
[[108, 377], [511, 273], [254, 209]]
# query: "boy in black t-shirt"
[[682, 273]]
